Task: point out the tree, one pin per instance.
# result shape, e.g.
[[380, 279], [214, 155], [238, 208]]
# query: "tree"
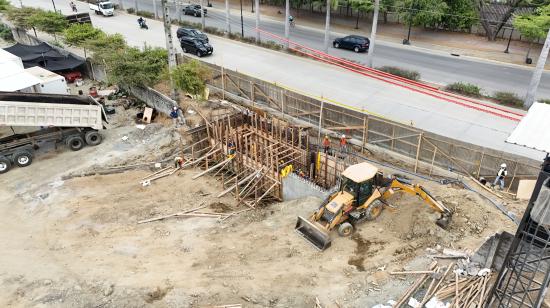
[[385, 7], [133, 67], [79, 34], [361, 6], [191, 77], [486, 16], [49, 22], [22, 18], [105, 46], [533, 26], [460, 15], [4, 5], [422, 12]]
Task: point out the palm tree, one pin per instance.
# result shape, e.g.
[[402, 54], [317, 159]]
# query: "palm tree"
[[330, 4], [361, 6]]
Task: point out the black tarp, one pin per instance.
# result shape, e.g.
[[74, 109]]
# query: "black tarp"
[[45, 56]]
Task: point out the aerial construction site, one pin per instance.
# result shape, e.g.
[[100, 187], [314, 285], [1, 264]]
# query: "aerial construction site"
[[237, 207]]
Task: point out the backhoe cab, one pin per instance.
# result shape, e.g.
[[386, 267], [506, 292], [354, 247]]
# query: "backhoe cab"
[[361, 196]]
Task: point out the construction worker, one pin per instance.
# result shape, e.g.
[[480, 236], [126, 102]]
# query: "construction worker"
[[231, 149], [178, 162], [501, 174], [343, 144], [174, 115], [326, 145]]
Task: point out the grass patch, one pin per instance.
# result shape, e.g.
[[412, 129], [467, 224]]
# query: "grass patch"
[[397, 71], [130, 10], [5, 33], [508, 98], [544, 100], [464, 88], [145, 14]]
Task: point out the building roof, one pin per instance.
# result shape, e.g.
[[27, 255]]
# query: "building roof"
[[43, 74], [533, 131], [360, 172], [6, 56], [14, 78]]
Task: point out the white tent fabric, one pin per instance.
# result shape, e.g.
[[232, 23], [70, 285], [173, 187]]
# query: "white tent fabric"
[[534, 129]]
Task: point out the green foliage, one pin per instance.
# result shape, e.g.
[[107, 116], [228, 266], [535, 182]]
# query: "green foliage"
[[22, 18], [362, 5], [544, 101], [49, 22], [422, 12], [5, 33], [130, 10], [412, 75], [508, 98], [105, 46], [191, 77], [459, 15], [133, 67], [534, 26], [145, 14], [78, 34], [463, 88], [4, 5]]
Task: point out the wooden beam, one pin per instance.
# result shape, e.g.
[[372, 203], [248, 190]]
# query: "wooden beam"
[[223, 163], [246, 179]]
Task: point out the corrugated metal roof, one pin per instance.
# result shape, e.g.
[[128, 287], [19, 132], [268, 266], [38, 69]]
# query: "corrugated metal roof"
[[533, 131]]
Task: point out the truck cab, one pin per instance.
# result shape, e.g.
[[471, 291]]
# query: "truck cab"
[[105, 8]]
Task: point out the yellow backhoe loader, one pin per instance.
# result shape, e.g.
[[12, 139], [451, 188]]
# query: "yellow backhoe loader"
[[362, 196]]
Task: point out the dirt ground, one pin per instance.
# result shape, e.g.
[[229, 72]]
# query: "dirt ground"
[[74, 241]]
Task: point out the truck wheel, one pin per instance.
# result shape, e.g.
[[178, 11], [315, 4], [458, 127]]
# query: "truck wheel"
[[345, 229], [5, 164], [92, 138], [374, 210], [22, 158], [75, 143]]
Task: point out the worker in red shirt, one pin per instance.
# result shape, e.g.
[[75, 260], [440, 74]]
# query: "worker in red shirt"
[[343, 144], [326, 145]]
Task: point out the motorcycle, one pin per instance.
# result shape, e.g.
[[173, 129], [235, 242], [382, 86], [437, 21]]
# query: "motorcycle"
[[142, 24]]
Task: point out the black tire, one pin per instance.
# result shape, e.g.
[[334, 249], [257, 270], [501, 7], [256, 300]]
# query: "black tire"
[[336, 45], [75, 143], [199, 54], [345, 229], [93, 138], [356, 49], [196, 14], [184, 49], [5, 164], [22, 158], [374, 210]]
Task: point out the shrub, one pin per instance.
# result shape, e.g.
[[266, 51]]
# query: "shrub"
[[145, 14], [5, 33], [508, 98], [412, 75], [464, 88], [544, 100], [130, 10]]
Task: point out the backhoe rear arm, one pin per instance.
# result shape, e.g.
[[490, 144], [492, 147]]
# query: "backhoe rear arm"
[[415, 189]]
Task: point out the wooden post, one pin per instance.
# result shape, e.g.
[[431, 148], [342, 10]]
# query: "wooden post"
[[252, 96], [392, 136], [223, 82], [283, 103], [513, 177], [433, 159], [418, 151], [320, 122], [480, 163], [365, 131]]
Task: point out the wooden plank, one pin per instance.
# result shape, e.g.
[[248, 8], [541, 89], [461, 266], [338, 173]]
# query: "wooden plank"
[[246, 179], [525, 189], [223, 163], [171, 215]]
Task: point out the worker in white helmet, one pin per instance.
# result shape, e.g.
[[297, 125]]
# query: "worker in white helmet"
[[343, 144], [501, 174]]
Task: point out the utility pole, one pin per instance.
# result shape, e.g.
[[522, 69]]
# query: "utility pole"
[[203, 21], [257, 21], [373, 33], [327, 28], [537, 73], [227, 18], [287, 23], [242, 22], [54, 9], [136, 6], [169, 46]]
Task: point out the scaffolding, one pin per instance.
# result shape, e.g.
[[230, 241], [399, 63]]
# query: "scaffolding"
[[525, 274]]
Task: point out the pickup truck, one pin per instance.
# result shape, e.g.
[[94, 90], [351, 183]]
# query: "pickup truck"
[[105, 8]]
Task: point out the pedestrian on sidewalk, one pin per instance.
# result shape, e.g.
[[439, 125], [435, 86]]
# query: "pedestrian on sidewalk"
[[343, 144], [326, 145], [73, 7], [174, 116], [501, 174]]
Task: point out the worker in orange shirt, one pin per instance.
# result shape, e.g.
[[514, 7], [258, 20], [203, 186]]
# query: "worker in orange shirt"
[[343, 144], [326, 145]]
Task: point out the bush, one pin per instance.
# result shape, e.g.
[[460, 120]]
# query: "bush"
[[544, 100], [5, 33], [131, 10], [464, 88], [146, 14], [508, 98], [412, 75]]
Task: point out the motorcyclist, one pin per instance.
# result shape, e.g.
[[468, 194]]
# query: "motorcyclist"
[[141, 21], [291, 19]]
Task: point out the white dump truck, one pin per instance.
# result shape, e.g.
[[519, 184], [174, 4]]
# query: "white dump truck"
[[73, 120], [105, 8]]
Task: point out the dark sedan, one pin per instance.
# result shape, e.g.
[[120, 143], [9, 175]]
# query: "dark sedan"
[[197, 47], [191, 33], [193, 9], [352, 42]]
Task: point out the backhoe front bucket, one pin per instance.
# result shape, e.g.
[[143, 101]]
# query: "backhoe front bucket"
[[444, 221], [312, 233]]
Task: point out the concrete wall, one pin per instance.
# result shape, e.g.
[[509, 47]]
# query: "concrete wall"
[[154, 99], [295, 187]]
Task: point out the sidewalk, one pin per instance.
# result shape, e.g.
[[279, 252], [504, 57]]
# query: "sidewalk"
[[463, 44]]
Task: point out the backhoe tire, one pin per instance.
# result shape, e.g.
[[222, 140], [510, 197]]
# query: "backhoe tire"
[[22, 158], [345, 229], [92, 138], [5, 164], [374, 210], [75, 143]]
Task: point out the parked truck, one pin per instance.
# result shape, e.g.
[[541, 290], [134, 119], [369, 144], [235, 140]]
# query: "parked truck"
[[73, 120], [102, 7]]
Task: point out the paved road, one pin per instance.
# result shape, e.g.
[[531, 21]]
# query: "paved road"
[[319, 79], [437, 67]]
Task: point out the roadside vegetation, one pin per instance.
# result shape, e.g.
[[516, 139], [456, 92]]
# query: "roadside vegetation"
[[401, 72], [191, 77], [463, 88]]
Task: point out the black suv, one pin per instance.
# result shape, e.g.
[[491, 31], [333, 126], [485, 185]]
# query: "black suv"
[[352, 42], [198, 47], [191, 33], [193, 9]]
